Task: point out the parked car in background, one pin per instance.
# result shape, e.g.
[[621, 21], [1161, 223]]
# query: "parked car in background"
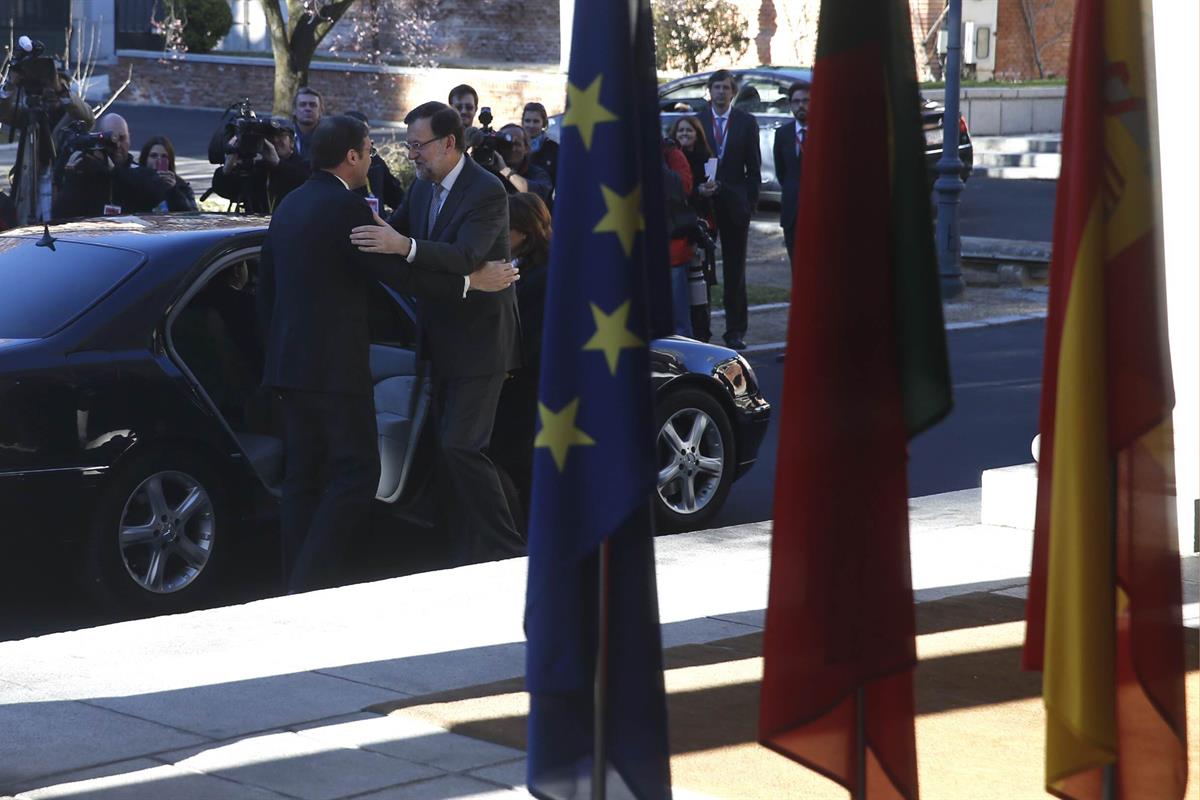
[[762, 91], [135, 439]]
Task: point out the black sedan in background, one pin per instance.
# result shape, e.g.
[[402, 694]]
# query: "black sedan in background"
[[135, 440], [762, 91]]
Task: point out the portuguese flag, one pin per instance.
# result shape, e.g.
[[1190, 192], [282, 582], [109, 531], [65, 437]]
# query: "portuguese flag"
[[866, 370], [1103, 621]]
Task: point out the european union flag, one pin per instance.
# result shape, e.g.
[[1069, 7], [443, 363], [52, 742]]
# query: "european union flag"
[[594, 471]]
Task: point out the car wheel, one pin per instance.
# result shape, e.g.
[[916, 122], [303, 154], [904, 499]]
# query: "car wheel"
[[696, 457], [158, 534]]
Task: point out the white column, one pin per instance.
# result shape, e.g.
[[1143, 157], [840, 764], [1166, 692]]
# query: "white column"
[[566, 20], [99, 16], [1178, 121]]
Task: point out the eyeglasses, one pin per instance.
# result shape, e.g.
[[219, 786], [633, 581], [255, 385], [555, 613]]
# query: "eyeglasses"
[[374, 152], [412, 148]]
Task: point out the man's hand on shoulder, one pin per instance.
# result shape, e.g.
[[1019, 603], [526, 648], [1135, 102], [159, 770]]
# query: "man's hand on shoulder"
[[494, 276], [380, 238]]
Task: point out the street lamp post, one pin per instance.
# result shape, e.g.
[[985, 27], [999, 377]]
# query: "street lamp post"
[[949, 184]]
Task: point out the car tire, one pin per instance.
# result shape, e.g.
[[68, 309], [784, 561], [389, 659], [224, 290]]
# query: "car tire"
[[695, 464], [158, 536]]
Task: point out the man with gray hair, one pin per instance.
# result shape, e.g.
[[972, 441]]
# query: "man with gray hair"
[[100, 177]]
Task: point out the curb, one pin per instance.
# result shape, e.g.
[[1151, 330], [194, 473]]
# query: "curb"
[[990, 322]]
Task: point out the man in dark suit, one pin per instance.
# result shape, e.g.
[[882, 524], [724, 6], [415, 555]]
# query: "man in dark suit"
[[734, 136], [789, 160], [454, 216], [312, 306]]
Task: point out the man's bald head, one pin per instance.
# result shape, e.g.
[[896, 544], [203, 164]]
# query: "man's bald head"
[[119, 128]]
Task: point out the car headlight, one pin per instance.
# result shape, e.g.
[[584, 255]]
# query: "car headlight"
[[738, 375]]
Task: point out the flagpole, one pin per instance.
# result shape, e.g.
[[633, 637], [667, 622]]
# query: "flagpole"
[[860, 744], [600, 697], [1108, 774]]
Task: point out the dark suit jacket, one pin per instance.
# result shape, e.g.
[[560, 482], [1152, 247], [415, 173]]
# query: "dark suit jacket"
[[312, 291], [740, 170], [787, 169], [481, 335]]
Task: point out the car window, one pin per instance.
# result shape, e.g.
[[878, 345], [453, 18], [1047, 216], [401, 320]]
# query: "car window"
[[758, 96], [687, 97], [46, 289]]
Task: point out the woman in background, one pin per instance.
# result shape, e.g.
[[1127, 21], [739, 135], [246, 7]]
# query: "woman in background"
[[516, 417], [159, 155]]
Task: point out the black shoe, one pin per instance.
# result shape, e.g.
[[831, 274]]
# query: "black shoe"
[[735, 342]]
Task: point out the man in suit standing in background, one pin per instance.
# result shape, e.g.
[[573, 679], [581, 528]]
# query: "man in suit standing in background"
[[734, 136], [455, 216], [312, 306], [789, 160]]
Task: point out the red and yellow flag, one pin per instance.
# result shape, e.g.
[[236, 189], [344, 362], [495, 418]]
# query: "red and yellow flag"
[[1104, 616]]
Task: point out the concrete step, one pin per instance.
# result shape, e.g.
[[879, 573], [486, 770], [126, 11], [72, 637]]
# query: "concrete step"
[[1009, 496], [1017, 173], [1032, 143], [1040, 160]]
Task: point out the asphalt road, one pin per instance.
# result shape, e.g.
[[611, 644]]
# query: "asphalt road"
[[997, 381]]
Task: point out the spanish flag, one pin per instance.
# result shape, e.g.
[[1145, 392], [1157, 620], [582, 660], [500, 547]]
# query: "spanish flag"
[[1103, 621]]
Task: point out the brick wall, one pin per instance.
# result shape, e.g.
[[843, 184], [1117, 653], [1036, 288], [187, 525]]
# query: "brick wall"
[[490, 31], [384, 94], [1014, 48]]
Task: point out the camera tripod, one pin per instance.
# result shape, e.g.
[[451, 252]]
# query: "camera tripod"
[[35, 156]]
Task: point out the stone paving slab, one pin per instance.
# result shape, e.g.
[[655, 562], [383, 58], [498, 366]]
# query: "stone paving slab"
[[410, 739], [299, 766], [144, 779]]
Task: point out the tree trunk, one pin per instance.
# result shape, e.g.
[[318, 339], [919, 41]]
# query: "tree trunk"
[[294, 42]]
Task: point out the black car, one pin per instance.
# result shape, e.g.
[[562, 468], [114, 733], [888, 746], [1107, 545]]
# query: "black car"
[[134, 433], [762, 91]]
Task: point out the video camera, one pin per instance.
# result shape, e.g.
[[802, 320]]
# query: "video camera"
[[32, 71], [241, 132], [487, 143], [79, 138]]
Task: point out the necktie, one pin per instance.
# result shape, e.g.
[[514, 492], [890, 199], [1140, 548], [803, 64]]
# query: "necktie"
[[720, 122], [435, 207], [800, 134]]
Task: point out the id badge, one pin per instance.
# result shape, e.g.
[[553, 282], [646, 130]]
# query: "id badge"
[[111, 210], [373, 202]]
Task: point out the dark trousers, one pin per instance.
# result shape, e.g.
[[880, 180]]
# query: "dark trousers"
[[734, 230], [471, 499], [789, 239], [330, 478]]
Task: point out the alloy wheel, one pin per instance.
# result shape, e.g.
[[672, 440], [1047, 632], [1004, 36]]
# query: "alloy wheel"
[[166, 531], [691, 459]]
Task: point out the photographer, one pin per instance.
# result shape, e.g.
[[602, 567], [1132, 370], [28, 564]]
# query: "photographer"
[[37, 104], [381, 183], [100, 177], [257, 178], [158, 155], [518, 170]]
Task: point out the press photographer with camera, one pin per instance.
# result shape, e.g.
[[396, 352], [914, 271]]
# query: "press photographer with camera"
[[259, 162], [100, 177], [505, 154], [37, 105], [158, 154]]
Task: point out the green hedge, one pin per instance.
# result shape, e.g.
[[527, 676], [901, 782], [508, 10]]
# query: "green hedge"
[[205, 22]]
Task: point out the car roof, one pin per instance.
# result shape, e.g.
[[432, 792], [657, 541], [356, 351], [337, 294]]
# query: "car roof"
[[784, 74], [151, 233]]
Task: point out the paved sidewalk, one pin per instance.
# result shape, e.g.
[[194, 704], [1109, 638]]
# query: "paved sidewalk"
[[265, 700]]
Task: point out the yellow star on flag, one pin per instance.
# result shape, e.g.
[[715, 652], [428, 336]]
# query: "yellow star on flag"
[[584, 110], [612, 334], [559, 433], [623, 217]]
